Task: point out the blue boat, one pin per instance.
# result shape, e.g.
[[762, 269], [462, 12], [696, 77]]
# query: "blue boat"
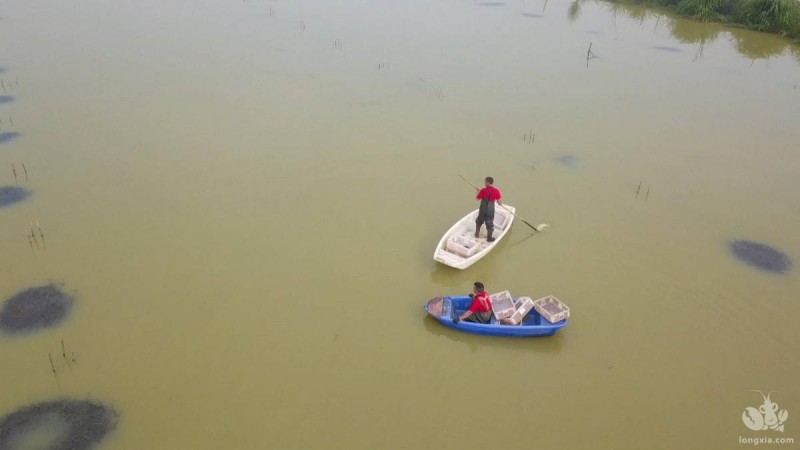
[[444, 309]]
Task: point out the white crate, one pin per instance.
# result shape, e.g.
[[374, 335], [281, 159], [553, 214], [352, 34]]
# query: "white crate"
[[502, 305], [551, 309], [462, 246], [524, 305], [500, 221]]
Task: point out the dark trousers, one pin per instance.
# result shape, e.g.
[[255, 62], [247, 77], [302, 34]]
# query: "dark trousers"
[[484, 317], [484, 217]]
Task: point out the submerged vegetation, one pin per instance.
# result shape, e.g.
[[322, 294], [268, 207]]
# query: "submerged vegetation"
[[62, 424], [774, 16]]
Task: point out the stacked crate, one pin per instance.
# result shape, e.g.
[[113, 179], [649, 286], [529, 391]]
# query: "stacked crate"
[[502, 305]]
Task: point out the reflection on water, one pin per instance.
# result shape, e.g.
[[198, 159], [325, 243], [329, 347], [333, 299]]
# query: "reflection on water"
[[750, 47], [750, 44], [449, 278], [574, 10], [692, 32]]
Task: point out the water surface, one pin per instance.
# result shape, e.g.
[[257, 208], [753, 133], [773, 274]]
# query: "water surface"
[[245, 197]]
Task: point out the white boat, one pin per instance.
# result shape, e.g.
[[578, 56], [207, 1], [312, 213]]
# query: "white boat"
[[459, 248]]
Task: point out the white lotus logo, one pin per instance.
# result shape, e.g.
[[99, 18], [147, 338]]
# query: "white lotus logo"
[[766, 416]]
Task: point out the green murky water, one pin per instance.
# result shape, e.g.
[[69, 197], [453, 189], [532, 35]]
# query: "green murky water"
[[244, 198]]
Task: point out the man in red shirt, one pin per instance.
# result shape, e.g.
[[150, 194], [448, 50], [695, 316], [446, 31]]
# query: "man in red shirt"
[[480, 311], [487, 196]]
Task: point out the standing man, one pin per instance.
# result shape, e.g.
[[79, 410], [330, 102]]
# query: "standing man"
[[487, 196]]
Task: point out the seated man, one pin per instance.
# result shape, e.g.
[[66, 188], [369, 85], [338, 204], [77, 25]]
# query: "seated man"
[[480, 311]]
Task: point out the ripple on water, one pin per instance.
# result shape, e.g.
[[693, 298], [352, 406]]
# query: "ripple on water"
[[8, 136], [665, 48], [761, 256], [492, 4], [6, 98], [12, 194], [60, 425], [34, 308]]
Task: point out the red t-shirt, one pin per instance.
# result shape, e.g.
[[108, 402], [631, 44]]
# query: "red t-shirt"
[[481, 303], [491, 193]]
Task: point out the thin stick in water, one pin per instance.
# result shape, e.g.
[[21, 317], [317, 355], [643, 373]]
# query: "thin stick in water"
[[14, 171], [30, 241], [589, 55], [41, 235], [638, 188], [33, 233], [648, 194], [25, 169], [53, 368], [64, 353], [11, 120]]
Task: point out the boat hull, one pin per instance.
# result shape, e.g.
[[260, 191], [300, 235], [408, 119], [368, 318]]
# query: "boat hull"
[[534, 325], [464, 229]]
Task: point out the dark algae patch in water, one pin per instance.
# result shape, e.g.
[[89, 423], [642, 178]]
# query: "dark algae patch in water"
[[8, 136], [57, 425], [761, 256], [568, 160], [12, 194], [34, 308]]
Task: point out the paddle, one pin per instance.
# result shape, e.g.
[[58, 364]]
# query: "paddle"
[[512, 213]]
